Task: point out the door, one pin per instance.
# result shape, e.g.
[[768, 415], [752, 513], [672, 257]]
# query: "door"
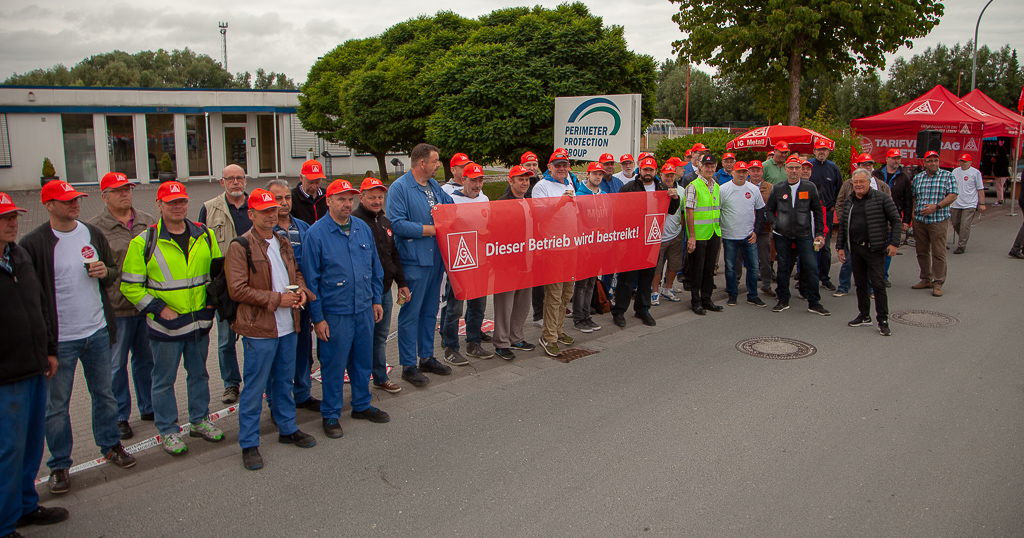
[[236, 148]]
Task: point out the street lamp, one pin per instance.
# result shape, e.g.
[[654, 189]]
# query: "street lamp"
[[974, 67]]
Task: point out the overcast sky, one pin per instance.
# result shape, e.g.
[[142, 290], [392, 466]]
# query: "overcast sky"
[[289, 36]]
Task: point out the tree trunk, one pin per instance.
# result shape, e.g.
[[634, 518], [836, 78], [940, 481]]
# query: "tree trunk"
[[795, 73], [446, 162], [382, 166]]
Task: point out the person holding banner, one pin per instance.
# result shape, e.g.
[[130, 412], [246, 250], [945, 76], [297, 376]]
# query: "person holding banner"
[[555, 184], [704, 235], [628, 171], [609, 184], [512, 307], [671, 251], [583, 293], [642, 279], [409, 202]]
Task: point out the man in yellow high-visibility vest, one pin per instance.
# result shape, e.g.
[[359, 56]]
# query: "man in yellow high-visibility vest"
[[703, 210]]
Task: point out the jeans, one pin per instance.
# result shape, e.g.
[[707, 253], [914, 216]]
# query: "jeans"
[[350, 347], [450, 319], [417, 318], [167, 356], [303, 358], [227, 355], [749, 254], [94, 352], [132, 335], [764, 258], [845, 276], [825, 252], [381, 329], [1018, 242], [261, 357], [583, 294], [808, 267], [23, 421]]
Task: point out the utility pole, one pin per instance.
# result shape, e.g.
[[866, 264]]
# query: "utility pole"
[[224, 43], [974, 67]]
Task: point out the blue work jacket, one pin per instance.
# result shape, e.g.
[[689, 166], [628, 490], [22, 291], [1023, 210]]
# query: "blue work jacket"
[[409, 211], [343, 271], [607, 186]]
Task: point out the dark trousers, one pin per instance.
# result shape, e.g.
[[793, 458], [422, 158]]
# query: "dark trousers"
[[786, 255], [825, 252], [868, 267], [537, 298], [701, 264], [624, 288]]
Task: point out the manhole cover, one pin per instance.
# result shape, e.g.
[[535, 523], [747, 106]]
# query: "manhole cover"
[[573, 353], [923, 318], [774, 347]]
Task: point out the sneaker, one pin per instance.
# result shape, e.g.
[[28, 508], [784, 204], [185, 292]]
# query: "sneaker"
[[173, 445], [120, 457], [819, 310], [453, 357], [504, 353], [566, 340], [655, 299], [524, 346], [619, 320], [883, 328], [125, 429], [887, 283], [668, 294], [230, 395], [593, 325], [731, 301], [59, 482], [1016, 254], [207, 431], [486, 337], [251, 459], [538, 322], [959, 250], [312, 404], [43, 516], [839, 293], [767, 291], [922, 285], [414, 377], [568, 312], [756, 301], [582, 327], [433, 366], [332, 429], [372, 414], [828, 286], [477, 351], [551, 349], [860, 321], [297, 438], [388, 386], [780, 306]]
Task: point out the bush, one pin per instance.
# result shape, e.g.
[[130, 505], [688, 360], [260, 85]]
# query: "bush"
[[166, 165], [48, 170]]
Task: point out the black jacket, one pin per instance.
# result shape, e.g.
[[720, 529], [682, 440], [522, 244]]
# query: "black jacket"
[[900, 187], [881, 215], [637, 185], [827, 177], [384, 238], [39, 245], [795, 222], [23, 334], [308, 210]]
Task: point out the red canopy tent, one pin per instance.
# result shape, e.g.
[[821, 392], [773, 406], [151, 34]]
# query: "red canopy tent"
[[979, 102], [936, 110]]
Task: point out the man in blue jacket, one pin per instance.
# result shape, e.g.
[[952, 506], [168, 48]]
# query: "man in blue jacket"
[[341, 268], [409, 202]]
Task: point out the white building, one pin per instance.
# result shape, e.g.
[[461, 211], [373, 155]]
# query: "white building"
[[87, 132]]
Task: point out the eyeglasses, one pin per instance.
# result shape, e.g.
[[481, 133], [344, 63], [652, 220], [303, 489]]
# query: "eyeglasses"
[[13, 216], [235, 179]]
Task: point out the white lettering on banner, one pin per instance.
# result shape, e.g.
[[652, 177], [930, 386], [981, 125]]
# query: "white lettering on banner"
[[556, 242], [909, 143]]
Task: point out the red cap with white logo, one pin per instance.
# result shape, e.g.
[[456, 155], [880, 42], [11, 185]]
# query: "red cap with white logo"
[[517, 171], [473, 170], [595, 167], [528, 157], [459, 159], [171, 191], [372, 183], [607, 158], [339, 186], [966, 157], [261, 199], [312, 169], [931, 154], [892, 153], [59, 190], [728, 156], [7, 205], [754, 164], [626, 158], [114, 180]]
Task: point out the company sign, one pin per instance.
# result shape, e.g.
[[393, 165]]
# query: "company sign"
[[591, 125]]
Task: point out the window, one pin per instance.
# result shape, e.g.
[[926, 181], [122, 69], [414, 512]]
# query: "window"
[[195, 134], [234, 118], [121, 145], [159, 141], [5, 143], [267, 136], [79, 147], [303, 140]]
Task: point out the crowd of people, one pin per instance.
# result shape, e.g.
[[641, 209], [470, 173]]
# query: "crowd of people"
[[304, 263]]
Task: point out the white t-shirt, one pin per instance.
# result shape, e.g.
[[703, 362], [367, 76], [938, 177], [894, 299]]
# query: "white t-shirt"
[[461, 199], [968, 183], [622, 177], [546, 188], [79, 303], [674, 221], [651, 187], [739, 203], [279, 278]]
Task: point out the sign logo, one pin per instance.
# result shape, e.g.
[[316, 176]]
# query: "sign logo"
[[971, 145], [748, 196], [598, 104], [268, 198], [5, 200], [316, 168], [66, 187], [88, 253], [464, 255], [653, 224], [927, 107], [175, 188], [965, 128], [866, 145]]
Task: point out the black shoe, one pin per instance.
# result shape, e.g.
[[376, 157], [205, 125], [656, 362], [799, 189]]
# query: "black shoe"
[[619, 320], [699, 310], [828, 286], [60, 481], [504, 353], [148, 417], [887, 283], [756, 301], [372, 414], [731, 301], [959, 250], [486, 337], [251, 458], [298, 438], [312, 404], [44, 516], [125, 429], [860, 321], [646, 318], [415, 377], [120, 457], [332, 429], [819, 310], [434, 366], [1017, 254], [780, 306], [524, 346], [686, 286], [712, 307], [883, 328]]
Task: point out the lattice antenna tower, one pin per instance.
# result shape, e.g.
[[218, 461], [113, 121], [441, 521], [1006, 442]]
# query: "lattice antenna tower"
[[224, 43]]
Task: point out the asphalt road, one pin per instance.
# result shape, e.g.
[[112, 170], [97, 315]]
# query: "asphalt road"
[[667, 431]]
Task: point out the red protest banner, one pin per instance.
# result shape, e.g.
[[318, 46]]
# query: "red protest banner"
[[509, 245]]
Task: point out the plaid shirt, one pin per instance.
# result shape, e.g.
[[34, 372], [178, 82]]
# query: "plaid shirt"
[[931, 190]]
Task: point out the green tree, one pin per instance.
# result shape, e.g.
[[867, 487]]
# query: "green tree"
[[704, 95], [999, 73], [780, 43]]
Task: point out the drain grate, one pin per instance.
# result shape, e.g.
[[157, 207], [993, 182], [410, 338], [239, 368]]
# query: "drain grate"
[[923, 318], [573, 353], [774, 347]]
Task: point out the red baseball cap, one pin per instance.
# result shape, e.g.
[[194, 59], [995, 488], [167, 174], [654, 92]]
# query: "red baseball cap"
[[528, 157], [643, 155], [931, 154], [649, 162], [606, 158], [626, 158], [6, 205], [459, 159], [821, 143], [558, 156], [771, 152], [171, 191], [260, 199], [965, 157], [675, 161], [473, 170], [339, 186], [699, 147], [114, 180], [688, 153], [782, 146], [517, 170], [754, 164], [795, 159], [892, 153], [669, 168], [728, 156], [59, 190], [807, 163], [312, 169], [595, 167], [372, 183], [867, 158], [740, 165]]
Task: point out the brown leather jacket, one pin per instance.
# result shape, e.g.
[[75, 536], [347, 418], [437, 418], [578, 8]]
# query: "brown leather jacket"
[[253, 291]]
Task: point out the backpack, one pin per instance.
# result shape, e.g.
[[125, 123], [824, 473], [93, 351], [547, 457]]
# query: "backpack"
[[600, 302]]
